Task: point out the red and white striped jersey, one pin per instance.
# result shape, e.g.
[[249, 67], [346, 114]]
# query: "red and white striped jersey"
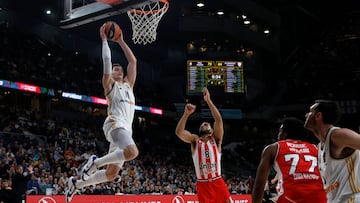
[[207, 158]]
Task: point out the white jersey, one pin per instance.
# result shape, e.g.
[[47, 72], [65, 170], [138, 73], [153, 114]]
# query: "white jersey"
[[121, 108], [340, 176], [207, 158]]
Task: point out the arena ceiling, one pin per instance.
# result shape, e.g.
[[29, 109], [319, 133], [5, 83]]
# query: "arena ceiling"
[[290, 22]]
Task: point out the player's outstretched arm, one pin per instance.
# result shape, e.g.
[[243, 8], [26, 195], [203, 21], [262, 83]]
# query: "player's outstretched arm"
[[132, 61], [263, 172], [180, 131], [218, 124], [106, 58]]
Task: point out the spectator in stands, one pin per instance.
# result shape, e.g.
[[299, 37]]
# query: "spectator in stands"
[[33, 186], [179, 191], [63, 179], [19, 182], [246, 190], [4, 168], [55, 186], [189, 191], [69, 154], [5, 191], [157, 190], [58, 156], [45, 185]]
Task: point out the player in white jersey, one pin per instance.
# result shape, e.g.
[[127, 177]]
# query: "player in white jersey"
[[117, 127], [206, 153], [339, 158]]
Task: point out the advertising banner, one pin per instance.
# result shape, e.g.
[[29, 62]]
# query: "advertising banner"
[[127, 199]]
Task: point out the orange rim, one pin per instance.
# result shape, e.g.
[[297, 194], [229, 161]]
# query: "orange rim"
[[165, 7]]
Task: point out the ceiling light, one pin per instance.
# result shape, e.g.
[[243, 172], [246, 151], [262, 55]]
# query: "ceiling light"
[[220, 13], [266, 31], [247, 22], [200, 4]]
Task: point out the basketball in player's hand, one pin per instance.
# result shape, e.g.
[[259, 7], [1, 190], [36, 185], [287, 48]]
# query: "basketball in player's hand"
[[112, 30]]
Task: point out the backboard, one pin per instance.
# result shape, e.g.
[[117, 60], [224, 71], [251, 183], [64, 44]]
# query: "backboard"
[[80, 12]]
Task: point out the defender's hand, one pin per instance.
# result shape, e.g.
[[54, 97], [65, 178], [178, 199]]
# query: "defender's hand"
[[190, 108]]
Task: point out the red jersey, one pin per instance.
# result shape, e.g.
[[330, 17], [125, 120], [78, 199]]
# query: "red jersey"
[[299, 181]]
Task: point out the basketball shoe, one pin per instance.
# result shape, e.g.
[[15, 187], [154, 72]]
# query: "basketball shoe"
[[89, 168], [71, 189]]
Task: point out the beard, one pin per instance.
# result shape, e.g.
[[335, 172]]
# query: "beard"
[[204, 132]]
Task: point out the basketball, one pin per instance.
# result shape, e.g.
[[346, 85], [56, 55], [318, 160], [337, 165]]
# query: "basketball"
[[112, 30]]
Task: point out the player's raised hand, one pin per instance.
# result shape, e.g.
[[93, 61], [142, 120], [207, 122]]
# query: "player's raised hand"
[[206, 94], [120, 38], [190, 108]]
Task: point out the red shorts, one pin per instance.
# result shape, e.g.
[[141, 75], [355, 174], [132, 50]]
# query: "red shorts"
[[215, 191], [298, 195]]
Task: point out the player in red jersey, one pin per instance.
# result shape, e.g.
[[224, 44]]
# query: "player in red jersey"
[[206, 154], [296, 164]]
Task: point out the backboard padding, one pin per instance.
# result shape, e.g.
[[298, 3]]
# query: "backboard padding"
[[95, 11]]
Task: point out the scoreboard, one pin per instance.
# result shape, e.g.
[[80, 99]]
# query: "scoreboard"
[[226, 75]]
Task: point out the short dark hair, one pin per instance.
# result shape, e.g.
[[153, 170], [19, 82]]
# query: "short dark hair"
[[120, 65], [330, 111], [294, 128], [117, 64]]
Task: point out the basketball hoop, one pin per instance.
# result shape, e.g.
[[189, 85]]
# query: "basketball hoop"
[[145, 21]]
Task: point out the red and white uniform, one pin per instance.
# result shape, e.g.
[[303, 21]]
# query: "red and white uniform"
[[210, 185], [299, 181]]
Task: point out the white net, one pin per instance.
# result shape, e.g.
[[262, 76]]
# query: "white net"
[[145, 21]]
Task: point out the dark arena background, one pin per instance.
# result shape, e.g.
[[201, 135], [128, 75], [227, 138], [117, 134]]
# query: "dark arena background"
[[262, 60]]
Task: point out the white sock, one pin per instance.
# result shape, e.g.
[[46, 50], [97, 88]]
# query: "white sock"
[[114, 157], [97, 177]]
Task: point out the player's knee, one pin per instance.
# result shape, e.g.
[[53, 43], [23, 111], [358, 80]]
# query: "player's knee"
[[111, 173], [134, 152], [112, 176], [131, 152]]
